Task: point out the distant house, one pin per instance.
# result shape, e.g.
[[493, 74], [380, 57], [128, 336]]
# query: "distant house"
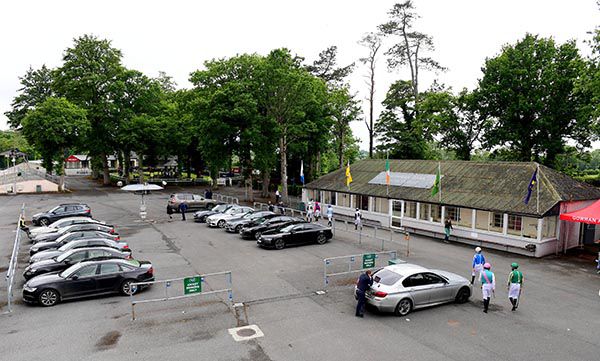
[[484, 200], [78, 164]]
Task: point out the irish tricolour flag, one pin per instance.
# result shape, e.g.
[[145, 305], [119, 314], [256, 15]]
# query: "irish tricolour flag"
[[387, 171]]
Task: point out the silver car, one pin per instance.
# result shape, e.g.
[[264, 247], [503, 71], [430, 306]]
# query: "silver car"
[[405, 287], [219, 219]]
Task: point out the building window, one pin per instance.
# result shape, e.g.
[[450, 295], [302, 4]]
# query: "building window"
[[496, 222], [380, 205], [361, 202], [453, 213], [424, 211], [529, 227], [396, 208], [344, 199], [549, 227], [329, 197], [515, 224], [482, 220], [436, 213], [465, 217], [410, 209]]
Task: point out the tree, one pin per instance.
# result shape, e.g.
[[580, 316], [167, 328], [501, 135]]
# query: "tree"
[[344, 110], [371, 41], [53, 127], [326, 67], [288, 91], [529, 93], [87, 78], [36, 86], [461, 125], [410, 45]]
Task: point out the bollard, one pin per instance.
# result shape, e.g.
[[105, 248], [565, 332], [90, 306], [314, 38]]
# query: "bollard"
[[360, 236], [346, 222]]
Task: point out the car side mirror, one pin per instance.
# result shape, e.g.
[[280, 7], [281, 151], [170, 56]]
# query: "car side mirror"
[[75, 277]]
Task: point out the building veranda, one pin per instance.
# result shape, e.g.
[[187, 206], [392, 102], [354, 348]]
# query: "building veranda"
[[484, 200]]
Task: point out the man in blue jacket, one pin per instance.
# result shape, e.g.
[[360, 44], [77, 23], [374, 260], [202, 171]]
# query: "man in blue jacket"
[[477, 265], [362, 285]]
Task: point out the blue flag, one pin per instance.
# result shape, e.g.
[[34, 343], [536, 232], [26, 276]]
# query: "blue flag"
[[302, 172], [532, 183]]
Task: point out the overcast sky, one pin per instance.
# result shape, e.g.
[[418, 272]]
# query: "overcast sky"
[[178, 36]]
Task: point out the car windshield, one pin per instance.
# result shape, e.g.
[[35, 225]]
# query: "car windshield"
[[67, 246], [287, 228], [63, 256], [230, 211], [53, 209], [219, 208], [133, 262], [69, 271], [386, 277]]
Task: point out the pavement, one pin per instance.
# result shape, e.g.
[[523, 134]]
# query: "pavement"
[[557, 318]]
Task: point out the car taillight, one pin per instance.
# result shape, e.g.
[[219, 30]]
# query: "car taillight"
[[379, 294], [88, 211], [126, 246], [112, 231], [150, 271], [129, 256], [118, 238]]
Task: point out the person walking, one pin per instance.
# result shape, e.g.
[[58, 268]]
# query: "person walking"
[[309, 213], [514, 285], [362, 285], [488, 285], [357, 219], [317, 211], [329, 215], [277, 196], [447, 229], [281, 208], [182, 208], [271, 207], [477, 265]]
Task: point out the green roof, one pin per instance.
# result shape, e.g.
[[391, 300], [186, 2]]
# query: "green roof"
[[493, 186]]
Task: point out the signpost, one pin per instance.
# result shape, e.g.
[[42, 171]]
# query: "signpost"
[[192, 285], [368, 260]]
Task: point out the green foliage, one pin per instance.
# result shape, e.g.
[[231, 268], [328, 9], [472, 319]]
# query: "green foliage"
[[529, 92], [55, 126], [36, 86], [10, 139]]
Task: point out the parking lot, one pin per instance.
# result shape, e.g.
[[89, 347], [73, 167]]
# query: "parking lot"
[[557, 319]]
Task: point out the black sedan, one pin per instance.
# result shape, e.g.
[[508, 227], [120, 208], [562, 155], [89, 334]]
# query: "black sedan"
[[49, 237], [296, 234], [82, 243], [66, 238], [69, 258], [88, 278], [201, 216], [275, 223], [249, 219]]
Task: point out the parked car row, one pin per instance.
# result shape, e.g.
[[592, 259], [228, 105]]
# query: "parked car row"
[[78, 256], [269, 229]]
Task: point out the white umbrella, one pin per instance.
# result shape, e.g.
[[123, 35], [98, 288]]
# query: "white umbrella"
[[141, 187]]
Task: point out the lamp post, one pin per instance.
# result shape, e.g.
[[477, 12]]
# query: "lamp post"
[[13, 156]]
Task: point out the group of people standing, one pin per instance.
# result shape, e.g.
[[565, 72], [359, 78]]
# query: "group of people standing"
[[313, 212], [487, 278]]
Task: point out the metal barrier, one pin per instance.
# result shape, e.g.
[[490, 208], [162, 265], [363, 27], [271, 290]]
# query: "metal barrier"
[[288, 211], [225, 199], [378, 234], [12, 266], [192, 287], [355, 263]]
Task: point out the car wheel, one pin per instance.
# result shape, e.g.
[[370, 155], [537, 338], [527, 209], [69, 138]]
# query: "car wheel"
[[279, 244], [221, 224], [238, 229], [209, 206], [463, 295], [321, 239], [48, 297], [404, 307], [44, 222], [257, 235], [127, 289]]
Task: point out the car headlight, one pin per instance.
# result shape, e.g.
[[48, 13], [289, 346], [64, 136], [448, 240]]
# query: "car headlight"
[[34, 249], [29, 289]]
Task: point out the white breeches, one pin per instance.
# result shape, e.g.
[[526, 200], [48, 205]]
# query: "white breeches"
[[486, 290], [514, 290]]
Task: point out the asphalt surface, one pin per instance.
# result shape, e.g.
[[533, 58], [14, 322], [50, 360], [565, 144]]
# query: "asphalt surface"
[[558, 318]]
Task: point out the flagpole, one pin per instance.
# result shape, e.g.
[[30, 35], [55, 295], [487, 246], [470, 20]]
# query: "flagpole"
[[387, 183], [440, 185], [538, 188]]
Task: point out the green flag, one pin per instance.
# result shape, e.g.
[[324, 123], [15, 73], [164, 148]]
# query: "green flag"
[[436, 185]]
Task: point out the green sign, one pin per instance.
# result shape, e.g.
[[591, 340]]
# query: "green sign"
[[192, 285], [369, 260]]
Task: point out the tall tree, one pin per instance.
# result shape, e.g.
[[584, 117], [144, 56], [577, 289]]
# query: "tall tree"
[[410, 45], [87, 76], [36, 86], [371, 41], [288, 89], [53, 127], [325, 67], [344, 110], [529, 92]]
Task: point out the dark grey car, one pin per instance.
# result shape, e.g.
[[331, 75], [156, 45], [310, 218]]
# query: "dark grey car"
[[61, 211]]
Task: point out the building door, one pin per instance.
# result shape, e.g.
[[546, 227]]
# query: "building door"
[[588, 232]]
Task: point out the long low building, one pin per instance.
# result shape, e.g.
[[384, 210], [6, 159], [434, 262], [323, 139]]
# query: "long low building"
[[484, 200]]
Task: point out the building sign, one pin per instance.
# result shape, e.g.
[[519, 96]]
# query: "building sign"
[[72, 159], [369, 260], [192, 285]]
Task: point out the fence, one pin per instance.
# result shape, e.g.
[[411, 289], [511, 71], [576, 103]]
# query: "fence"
[[225, 199], [347, 265], [12, 266], [288, 211], [188, 287]]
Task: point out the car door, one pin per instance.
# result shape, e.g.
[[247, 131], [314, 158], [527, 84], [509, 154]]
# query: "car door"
[[440, 290], [297, 235], [110, 277], [198, 202], [418, 288], [58, 213], [75, 257], [81, 283]]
